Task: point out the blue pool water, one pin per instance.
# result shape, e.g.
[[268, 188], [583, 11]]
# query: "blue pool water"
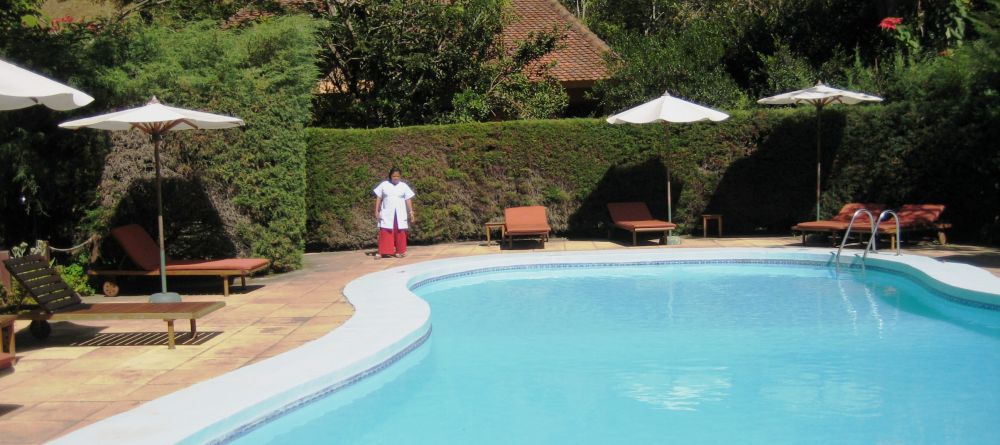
[[676, 354]]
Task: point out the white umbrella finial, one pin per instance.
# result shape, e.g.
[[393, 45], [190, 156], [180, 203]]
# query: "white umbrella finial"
[[153, 100]]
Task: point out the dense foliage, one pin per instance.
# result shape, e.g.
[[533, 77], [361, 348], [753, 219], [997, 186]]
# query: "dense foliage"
[[411, 62], [723, 52], [244, 187], [752, 168], [226, 192]]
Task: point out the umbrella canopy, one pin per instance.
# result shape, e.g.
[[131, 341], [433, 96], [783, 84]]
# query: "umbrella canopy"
[[156, 119], [20, 88], [666, 109], [819, 96]]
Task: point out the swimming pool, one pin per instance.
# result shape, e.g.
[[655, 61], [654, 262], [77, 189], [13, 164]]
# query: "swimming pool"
[[698, 353], [400, 323]]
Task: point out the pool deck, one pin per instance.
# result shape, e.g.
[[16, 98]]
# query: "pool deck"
[[89, 371]]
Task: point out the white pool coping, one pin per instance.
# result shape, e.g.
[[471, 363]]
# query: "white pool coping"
[[389, 320]]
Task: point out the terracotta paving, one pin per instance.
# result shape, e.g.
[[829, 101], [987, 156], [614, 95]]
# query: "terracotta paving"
[[63, 384]]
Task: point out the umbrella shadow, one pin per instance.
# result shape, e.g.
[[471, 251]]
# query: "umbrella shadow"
[[69, 334], [774, 187], [193, 228], [645, 182]]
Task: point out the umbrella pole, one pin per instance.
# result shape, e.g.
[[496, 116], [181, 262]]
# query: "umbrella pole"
[[670, 213], [819, 132], [159, 212], [670, 197]]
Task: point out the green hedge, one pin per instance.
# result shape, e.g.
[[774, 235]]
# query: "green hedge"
[[757, 168]]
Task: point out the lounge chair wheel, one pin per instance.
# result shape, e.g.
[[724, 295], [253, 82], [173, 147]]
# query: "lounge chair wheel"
[[40, 329], [110, 288]]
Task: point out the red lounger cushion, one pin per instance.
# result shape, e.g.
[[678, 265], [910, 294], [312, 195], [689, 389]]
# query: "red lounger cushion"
[[646, 224], [145, 253], [914, 216], [840, 221], [635, 215], [920, 214], [847, 211], [138, 245], [526, 220]]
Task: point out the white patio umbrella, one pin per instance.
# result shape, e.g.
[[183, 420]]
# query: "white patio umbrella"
[[666, 109], [20, 88], [156, 119], [819, 96]]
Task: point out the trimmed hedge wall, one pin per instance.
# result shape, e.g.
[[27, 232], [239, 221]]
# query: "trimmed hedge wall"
[[757, 168]]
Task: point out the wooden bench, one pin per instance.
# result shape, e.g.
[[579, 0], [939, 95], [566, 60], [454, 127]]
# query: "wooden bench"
[[58, 302]]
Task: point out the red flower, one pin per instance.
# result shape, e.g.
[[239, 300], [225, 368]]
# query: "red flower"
[[890, 23], [55, 25]]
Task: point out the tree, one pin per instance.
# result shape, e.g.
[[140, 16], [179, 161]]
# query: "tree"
[[395, 63], [686, 62]]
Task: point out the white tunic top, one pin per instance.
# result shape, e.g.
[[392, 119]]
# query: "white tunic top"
[[394, 198]]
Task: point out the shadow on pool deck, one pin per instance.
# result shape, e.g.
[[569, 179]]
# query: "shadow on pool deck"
[[67, 383]]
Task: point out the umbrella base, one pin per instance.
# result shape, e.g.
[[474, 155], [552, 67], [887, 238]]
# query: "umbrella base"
[[165, 297]]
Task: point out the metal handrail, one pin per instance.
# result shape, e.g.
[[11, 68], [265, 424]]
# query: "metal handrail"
[[849, 226], [873, 243]]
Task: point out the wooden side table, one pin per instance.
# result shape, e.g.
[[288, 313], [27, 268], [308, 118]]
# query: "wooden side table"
[[7, 353], [704, 223], [493, 225]]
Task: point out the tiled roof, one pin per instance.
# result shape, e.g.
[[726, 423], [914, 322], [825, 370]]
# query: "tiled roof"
[[579, 58]]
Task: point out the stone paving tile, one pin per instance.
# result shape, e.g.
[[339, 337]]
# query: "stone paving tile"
[[55, 353], [281, 329], [243, 346], [153, 391], [184, 376], [337, 309], [299, 310], [160, 357], [67, 390], [15, 432], [280, 347], [57, 411], [125, 376], [223, 364]]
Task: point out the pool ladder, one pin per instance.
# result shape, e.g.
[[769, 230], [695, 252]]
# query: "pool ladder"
[[872, 242]]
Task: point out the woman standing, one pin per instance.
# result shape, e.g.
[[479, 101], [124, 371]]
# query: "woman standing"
[[394, 212]]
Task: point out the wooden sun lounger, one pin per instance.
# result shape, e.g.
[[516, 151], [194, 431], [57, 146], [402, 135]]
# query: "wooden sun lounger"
[[526, 222], [914, 218], [635, 217], [144, 253], [837, 225], [58, 302]]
